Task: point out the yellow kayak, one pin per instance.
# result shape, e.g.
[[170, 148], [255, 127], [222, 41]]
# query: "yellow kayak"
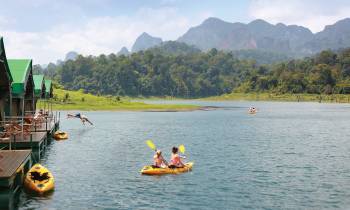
[[60, 135], [150, 170], [39, 179]]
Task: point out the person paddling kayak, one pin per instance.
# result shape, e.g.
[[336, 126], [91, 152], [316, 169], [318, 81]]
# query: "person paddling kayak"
[[83, 118], [175, 161], [158, 160]]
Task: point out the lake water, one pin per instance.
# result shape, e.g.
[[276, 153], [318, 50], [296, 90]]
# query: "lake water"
[[287, 156]]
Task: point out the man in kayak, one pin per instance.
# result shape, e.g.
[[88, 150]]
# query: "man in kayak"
[[175, 161], [83, 118], [158, 160]]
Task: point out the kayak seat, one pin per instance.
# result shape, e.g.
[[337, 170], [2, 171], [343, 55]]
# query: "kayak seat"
[[36, 176]]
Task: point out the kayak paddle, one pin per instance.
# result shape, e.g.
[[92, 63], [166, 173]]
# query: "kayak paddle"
[[151, 145], [182, 149]]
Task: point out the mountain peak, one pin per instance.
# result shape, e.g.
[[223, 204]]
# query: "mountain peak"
[[212, 20], [282, 25], [259, 22], [145, 34], [123, 51], [72, 55], [145, 41]]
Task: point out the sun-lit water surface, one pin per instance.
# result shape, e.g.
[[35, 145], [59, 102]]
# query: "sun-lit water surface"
[[288, 156]]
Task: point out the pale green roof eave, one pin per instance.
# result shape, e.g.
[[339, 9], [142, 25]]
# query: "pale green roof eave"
[[38, 84], [48, 87]]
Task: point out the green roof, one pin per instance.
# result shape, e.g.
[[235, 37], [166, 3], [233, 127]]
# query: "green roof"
[[3, 58], [38, 84], [20, 70], [48, 87]]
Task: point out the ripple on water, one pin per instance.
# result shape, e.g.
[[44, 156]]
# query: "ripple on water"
[[288, 156]]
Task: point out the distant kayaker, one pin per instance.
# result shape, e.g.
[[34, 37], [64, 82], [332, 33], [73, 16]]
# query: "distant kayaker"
[[175, 161], [83, 118], [158, 160], [252, 110]]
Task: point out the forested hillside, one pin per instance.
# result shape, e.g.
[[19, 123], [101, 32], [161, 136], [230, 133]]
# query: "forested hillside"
[[197, 74], [327, 72]]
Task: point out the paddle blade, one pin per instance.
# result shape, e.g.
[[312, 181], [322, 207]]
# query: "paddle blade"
[[150, 144], [182, 148]]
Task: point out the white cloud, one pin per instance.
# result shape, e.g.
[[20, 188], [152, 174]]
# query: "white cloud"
[[97, 35], [314, 14]]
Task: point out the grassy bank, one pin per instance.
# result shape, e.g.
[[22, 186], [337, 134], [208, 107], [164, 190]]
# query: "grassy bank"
[[336, 98], [77, 100]]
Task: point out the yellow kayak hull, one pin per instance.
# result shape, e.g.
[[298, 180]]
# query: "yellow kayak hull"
[[149, 170], [60, 135], [39, 186]]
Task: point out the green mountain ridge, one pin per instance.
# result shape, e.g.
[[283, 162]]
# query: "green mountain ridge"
[[201, 74]]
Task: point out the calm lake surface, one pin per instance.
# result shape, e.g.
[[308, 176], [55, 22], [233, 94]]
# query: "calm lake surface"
[[287, 156]]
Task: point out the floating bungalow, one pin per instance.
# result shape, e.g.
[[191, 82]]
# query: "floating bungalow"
[[22, 86], [23, 139], [39, 88]]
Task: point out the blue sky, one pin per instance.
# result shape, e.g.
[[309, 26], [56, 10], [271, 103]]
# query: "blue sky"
[[46, 30]]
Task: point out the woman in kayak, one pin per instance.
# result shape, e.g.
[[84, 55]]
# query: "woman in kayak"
[[158, 160], [175, 161]]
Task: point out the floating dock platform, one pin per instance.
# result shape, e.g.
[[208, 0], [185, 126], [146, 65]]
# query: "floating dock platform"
[[17, 155], [14, 164], [37, 140]]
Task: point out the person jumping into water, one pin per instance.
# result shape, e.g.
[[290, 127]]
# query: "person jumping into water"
[[83, 118]]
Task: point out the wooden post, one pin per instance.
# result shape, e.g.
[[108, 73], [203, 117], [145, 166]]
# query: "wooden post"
[[31, 141], [23, 117], [10, 110]]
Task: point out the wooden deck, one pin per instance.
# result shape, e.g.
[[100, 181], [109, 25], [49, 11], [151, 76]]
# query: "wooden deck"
[[44, 127], [36, 141], [14, 165], [34, 137], [13, 162]]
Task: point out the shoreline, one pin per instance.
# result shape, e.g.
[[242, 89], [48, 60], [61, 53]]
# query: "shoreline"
[[268, 97], [190, 109], [77, 100], [65, 100], [334, 98]]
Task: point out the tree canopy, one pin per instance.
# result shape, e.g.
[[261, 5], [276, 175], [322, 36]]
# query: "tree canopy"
[[191, 73]]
